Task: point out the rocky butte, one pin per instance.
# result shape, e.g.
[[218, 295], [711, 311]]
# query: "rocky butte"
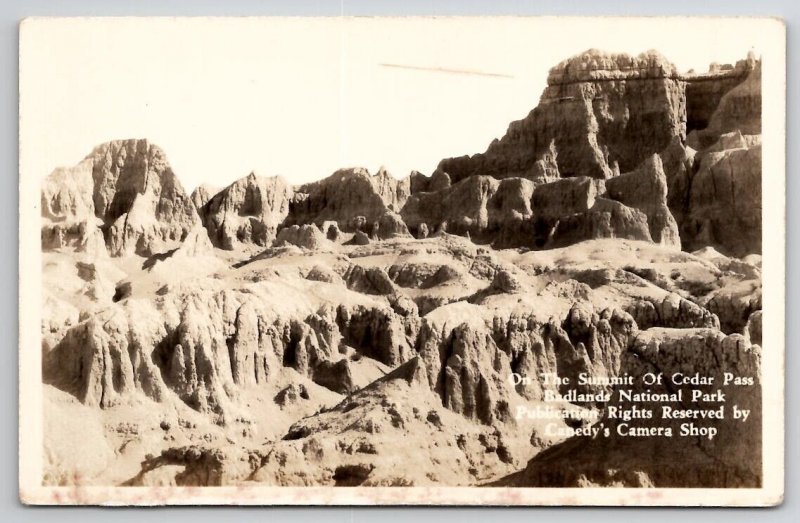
[[310, 335]]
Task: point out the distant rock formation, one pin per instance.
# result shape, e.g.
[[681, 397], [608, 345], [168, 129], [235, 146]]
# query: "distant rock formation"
[[392, 191], [345, 194], [739, 109], [605, 114], [201, 195], [600, 114], [603, 117], [716, 193], [725, 198], [250, 210], [482, 206], [705, 91], [127, 190], [437, 181], [632, 205]]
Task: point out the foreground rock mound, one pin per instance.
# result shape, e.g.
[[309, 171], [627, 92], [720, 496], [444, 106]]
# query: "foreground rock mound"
[[203, 344], [357, 441], [307, 237], [626, 457], [286, 355]]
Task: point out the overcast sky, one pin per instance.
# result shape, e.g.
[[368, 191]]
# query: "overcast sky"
[[304, 97]]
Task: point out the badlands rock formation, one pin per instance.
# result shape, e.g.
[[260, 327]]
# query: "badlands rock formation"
[[202, 194], [364, 330], [249, 211], [124, 192], [600, 114], [346, 196]]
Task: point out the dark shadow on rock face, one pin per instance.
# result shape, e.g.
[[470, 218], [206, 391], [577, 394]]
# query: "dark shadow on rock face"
[[150, 262], [351, 475]]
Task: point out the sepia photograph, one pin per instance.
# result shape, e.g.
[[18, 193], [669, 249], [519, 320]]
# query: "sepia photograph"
[[439, 260]]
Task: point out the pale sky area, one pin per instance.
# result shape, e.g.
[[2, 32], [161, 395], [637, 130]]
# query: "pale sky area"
[[304, 97]]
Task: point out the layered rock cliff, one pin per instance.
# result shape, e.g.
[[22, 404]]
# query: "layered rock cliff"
[[604, 114], [600, 114]]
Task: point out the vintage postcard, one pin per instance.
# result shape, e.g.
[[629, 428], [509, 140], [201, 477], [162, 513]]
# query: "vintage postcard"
[[445, 261]]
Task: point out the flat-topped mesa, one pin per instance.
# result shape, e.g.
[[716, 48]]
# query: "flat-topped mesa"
[[603, 114], [717, 71], [248, 211], [600, 114], [594, 64], [124, 189], [346, 195]]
